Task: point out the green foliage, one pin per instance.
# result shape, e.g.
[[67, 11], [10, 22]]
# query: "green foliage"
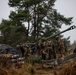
[[14, 2], [42, 19], [12, 15], [12, 34]]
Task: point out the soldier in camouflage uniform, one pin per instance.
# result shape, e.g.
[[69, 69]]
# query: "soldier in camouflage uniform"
[[26, 50], [60, 46], [41, 48], [49, 49]]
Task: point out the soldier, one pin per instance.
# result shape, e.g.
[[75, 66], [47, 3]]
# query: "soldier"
[[60, 46], [20, 49], [41, 48], [43, 54], [49, 49], [26, 50], [41, 45]]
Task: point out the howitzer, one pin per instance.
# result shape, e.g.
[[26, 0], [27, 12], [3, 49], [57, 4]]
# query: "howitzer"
[[46, 38], [70, 28], [34, 45], [60, 61]]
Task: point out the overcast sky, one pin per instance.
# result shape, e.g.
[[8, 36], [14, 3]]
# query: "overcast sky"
[[65, 7]]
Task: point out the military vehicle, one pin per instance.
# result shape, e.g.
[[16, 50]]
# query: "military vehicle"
[[5, 49], [9, 55]]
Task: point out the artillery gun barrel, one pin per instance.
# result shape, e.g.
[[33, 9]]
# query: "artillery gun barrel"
[[70, 28]]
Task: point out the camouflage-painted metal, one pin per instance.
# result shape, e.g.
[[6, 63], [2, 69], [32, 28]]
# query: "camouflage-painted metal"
[[60, 60], [67, 58], [4, 46], [10, 55]]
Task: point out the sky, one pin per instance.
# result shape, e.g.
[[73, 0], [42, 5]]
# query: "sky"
[[65, 7]]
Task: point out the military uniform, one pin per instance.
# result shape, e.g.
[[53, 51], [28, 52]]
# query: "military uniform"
[[49, 49], [61, 48], [41, 48], [20, 49], [26, 49]]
